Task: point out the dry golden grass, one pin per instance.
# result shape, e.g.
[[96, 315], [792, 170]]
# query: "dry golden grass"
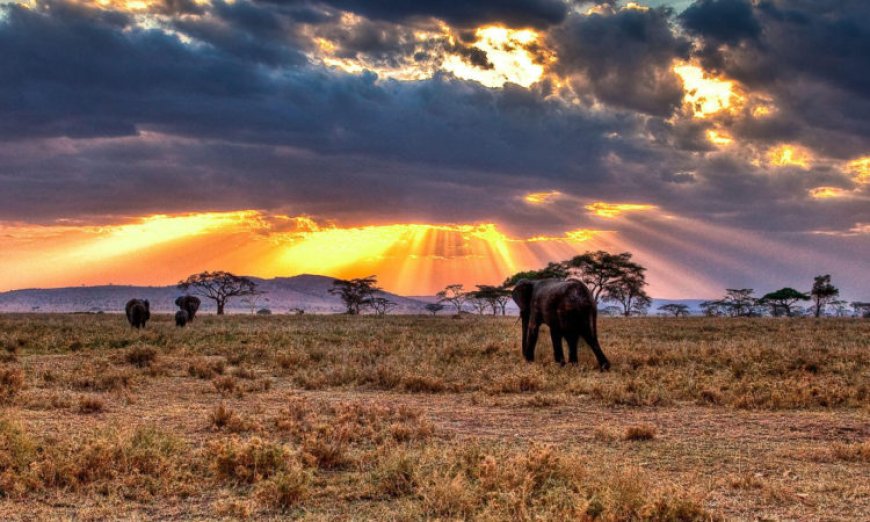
[[409, 418]]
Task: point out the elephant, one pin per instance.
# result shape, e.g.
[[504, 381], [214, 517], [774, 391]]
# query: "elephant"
[[138, 312], [567, 308], [181, 318], [190, 304]]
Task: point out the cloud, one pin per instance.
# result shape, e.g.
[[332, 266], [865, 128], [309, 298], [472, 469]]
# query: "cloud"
[[624, 57], [513, 13]]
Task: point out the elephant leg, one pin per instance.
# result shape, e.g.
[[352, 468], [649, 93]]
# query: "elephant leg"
[[592, 341], [573, 340], [531, 342], [556, 337]]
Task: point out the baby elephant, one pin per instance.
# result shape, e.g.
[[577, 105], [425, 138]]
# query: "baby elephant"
[[138, 312], [181, 318]]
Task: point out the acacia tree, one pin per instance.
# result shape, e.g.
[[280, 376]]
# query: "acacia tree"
[[607, 275], [823, 293], [355, 293], [496, 297], [675, 309], [381, 305], [783, 300], [740, 301], [454, 294], [434, 308], [218, 286], [628, 291], [551, 271]]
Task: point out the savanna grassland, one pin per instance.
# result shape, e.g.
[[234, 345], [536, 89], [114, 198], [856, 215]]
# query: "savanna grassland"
[[408, 418]]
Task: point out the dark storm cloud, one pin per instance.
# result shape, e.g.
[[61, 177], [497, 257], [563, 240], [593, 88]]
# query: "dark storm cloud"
[[624, 56], [723, 21], [515, 13], [238, 116], [810, 56]]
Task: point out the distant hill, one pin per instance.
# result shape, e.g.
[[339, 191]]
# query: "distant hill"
[[306, 292]]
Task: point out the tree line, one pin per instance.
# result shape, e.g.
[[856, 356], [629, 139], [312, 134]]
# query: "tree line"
[[616, 281]]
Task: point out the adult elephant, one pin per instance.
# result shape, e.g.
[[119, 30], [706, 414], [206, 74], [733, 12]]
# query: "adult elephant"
[[138, 312], [190, 304], [567, 308]]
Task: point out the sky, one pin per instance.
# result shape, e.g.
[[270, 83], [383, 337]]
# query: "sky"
[[724, 143]]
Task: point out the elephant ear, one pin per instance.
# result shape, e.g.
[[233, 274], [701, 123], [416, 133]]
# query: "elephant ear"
[[147, 304], [522, 294]]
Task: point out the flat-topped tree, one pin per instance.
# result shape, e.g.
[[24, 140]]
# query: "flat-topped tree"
[[355, 293], [454, 294], [629, 292], [783, 300], [434, 308], [551, 271], [603, 272], [675, 309], [218, 286]]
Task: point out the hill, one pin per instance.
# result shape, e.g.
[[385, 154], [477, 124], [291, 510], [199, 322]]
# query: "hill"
[[307, 292]]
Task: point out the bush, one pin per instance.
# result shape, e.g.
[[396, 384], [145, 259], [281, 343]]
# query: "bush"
[[247, 462], [11, 383], [640, 432], [141, 356]]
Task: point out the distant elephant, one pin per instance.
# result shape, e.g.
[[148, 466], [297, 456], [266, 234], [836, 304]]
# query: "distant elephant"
[[138, 312], [567, 308], [190, 304], [181, 318]]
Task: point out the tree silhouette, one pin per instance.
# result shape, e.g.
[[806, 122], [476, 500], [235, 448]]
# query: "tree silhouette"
[[218, 286], [453, 294], [782, 300], [861, 309], [606, 274], [496, 297], [551, 271], [355, 293], [629, 293], [381, 305], [434, 308], [675, 309], [823, 293]]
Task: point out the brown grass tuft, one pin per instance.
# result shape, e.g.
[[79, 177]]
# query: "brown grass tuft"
[[88, 404], [11, 383], [640, 432], [141, 356]]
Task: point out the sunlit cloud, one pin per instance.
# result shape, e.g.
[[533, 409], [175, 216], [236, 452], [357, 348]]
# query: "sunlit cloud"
[[859, 169], [705, 94], [541, 198], [613, 210], [860, 229], [718, 137], [790, 156], [828, 193], [507, 52]]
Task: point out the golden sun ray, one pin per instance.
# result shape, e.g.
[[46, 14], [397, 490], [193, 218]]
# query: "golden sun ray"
[[507, 52], [705, 94]]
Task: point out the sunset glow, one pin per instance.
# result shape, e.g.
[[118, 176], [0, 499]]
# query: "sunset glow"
[[540, 198], [408, 258], [828, 192], [790, 156], [506, 50], [859, 169], [613, 210], [706, 95]]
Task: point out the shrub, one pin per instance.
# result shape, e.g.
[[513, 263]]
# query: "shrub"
[[247, 462], [287, 488], [640, 432], [141, 356], [11, 383], [91, 405], [202, 368]]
